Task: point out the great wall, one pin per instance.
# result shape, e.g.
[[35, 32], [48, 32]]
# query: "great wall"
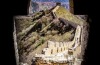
[[54, 43], [58, 52]]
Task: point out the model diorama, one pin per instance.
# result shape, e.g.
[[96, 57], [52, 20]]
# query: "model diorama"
[[50, 35]]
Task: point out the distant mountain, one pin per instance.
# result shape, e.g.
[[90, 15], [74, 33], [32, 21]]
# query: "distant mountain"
[[38, 6], [50, 0]]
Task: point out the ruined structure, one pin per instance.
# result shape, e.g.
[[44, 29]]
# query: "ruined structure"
[[59, 52], [50, 37]]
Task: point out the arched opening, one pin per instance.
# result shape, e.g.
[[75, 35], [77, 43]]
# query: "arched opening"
[[51, 51], [57, 50], [43, 52], [64, 48], [61, 49]]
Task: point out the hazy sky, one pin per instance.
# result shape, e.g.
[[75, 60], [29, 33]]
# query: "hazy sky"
[[51, 0]]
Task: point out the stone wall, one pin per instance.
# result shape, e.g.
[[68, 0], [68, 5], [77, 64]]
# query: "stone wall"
[[57, 47]]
